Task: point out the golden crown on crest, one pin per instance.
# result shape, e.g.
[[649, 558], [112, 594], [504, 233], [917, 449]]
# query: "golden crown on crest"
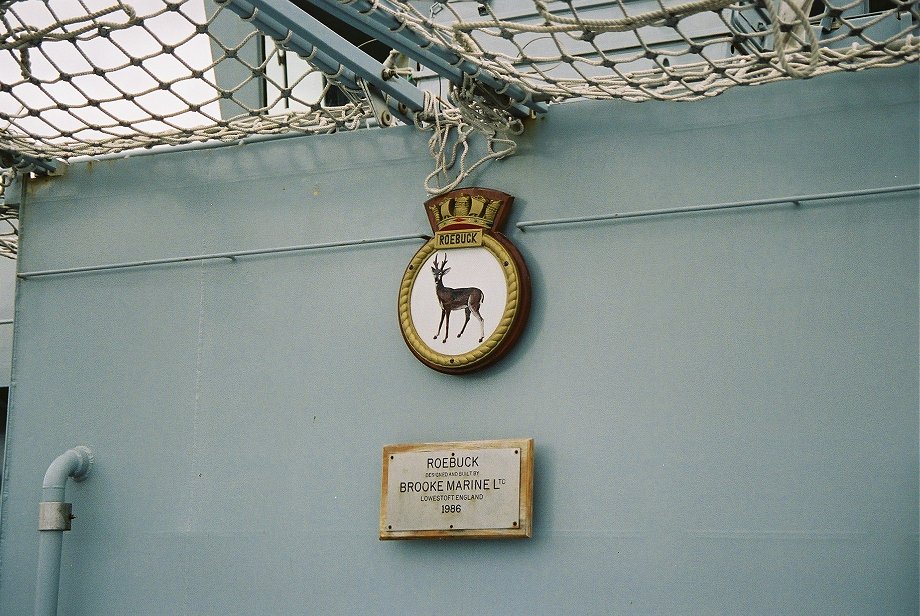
[[460, 208]]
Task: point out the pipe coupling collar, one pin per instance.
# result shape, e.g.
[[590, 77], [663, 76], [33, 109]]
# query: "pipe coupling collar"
[[54, 516]]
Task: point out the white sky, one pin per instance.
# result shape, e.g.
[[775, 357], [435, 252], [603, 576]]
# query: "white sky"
[[170, 27]]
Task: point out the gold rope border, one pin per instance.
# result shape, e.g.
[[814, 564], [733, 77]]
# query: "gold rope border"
[[419, 347]]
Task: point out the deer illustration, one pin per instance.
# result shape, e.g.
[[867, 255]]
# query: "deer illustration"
[[468, 299]]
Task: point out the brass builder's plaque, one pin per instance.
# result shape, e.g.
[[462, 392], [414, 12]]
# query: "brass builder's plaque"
[[457, 489]]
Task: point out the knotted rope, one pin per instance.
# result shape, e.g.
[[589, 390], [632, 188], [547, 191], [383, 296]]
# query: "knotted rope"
[[453, 127]]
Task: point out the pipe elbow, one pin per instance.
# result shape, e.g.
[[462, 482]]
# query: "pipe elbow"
[[74, 463]]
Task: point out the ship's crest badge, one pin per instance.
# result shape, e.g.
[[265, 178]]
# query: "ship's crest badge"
[[465, 296]]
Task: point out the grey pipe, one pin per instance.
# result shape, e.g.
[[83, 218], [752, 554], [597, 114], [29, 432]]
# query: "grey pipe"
[[53, 519], [220, 255], [796, 200]]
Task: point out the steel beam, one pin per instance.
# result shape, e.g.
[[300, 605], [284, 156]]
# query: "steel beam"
[[387, 29], [293, 40], [328, 51], [23, 163]]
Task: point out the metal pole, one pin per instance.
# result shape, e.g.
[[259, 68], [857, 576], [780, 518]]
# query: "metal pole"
[[53, 519], [387, 29], [217, 255], [524, 225], [48, 577], [10, 159], [186, 147], [292, 40], [301, 24]]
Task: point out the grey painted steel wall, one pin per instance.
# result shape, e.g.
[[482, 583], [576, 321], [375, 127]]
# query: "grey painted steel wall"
[[7, 293], [725, 405]]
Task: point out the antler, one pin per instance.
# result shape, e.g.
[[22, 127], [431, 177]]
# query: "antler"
[[443, 263]]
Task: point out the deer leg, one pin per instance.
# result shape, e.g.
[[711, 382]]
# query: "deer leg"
[[446, 324], [465, 322], [443, 312], [482, 325]]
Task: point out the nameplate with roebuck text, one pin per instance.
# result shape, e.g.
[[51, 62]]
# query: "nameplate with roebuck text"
[[457, 489], [458, 239]]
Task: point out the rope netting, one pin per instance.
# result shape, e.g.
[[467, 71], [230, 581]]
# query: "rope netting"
[[78, 79], [644, 50], [96, 77], [9, 230]]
